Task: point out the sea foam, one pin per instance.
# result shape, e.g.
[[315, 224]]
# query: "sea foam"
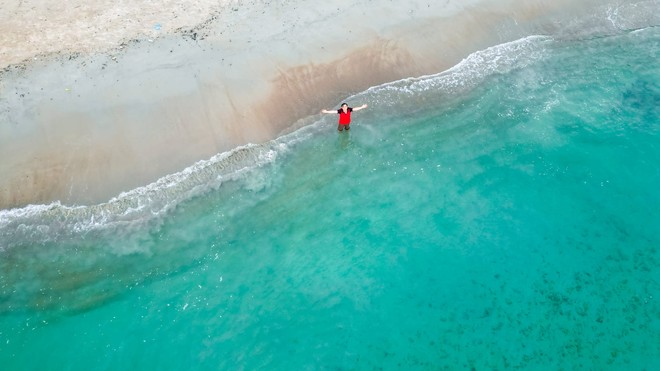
[[143, 205], [148, 204]]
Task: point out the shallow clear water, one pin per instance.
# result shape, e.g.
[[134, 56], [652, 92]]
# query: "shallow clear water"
[[503, 214]]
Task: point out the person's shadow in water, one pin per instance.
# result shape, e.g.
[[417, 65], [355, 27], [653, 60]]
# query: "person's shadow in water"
[[344, 140]]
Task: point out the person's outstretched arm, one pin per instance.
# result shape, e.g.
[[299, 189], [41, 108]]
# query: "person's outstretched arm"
[[328, 111], [359, 108]]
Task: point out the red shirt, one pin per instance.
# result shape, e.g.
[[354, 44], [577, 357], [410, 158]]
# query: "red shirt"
[[345, 117]]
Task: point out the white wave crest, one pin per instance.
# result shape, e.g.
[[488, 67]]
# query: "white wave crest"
[[467, 74], [135, 208], [41, 223]]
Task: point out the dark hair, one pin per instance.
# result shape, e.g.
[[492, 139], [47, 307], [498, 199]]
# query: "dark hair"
[[344, 104]]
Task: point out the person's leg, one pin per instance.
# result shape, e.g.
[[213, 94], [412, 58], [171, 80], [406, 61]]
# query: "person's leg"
[[340, 127], [348, 127]]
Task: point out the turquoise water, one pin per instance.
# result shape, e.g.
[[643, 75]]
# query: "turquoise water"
[[502, 214]]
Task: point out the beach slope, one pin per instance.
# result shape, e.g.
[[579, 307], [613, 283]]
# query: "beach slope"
[[98, 98]]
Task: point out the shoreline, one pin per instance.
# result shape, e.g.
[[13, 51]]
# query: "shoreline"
[[83, 128]]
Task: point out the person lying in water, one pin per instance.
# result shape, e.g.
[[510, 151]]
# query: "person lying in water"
[[344, 115]]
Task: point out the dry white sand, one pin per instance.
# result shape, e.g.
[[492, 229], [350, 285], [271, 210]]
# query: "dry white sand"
[[41, 27], [99, 97]]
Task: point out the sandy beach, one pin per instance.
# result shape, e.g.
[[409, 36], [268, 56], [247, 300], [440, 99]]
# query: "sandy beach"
[[98, 98]]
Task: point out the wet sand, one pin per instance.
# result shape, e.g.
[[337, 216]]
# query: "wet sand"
[[97, 99]]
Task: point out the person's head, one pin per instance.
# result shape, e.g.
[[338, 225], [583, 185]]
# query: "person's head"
[[344, 105]]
